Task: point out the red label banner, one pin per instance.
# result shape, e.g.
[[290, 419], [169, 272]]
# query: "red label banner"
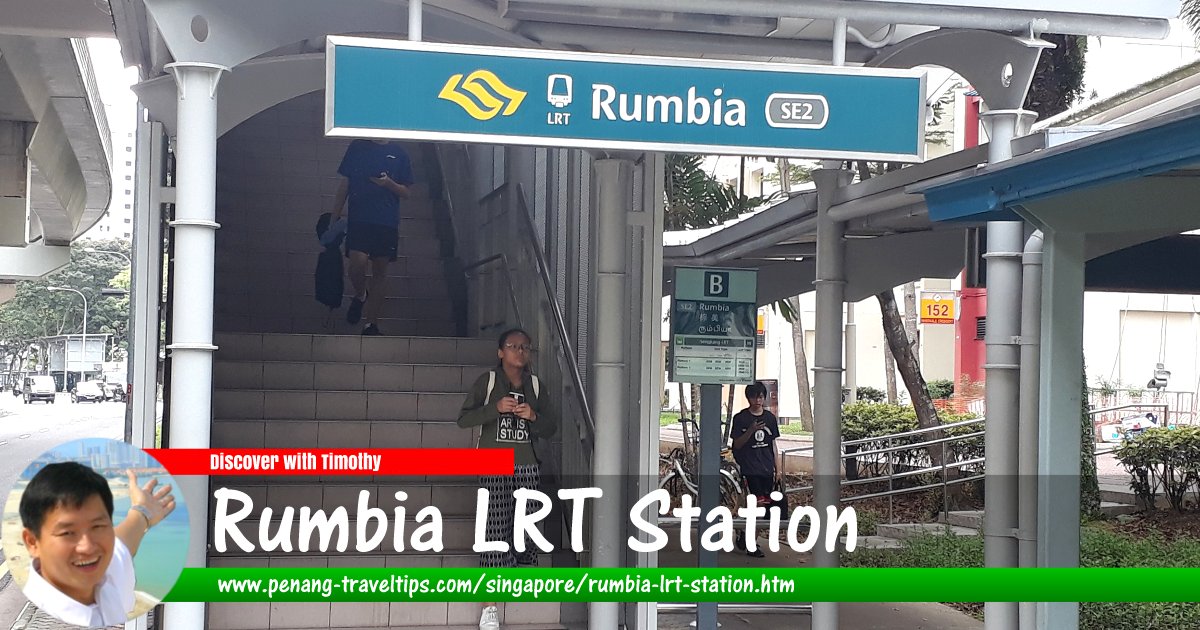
[[335, 461]]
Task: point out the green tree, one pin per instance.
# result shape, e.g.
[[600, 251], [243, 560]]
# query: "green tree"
[[696, 199], [1058, 79], [34, 312], [1189, 12]]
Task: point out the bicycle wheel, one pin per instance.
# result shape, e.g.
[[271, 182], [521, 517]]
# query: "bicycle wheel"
[[732, 494], [676, 486]]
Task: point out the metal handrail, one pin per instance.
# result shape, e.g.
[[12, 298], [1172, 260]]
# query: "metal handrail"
[[952, 425], [908, 447], [892, 475], [507, 275], [892, 436], [1166, 408], [560, 323]]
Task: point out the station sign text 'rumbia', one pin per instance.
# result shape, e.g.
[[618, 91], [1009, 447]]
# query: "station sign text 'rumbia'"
[[447, 92]]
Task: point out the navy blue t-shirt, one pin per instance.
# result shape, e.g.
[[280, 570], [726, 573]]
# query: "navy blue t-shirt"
[[756, 457], [366, 201]]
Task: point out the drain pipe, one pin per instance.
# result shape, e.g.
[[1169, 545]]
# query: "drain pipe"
[[1031, 373], [851, 354], [1004, 242]]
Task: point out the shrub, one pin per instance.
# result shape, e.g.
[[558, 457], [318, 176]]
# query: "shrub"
[[1106, 549], [865, 420], [1099, 547], [941, 388], [866, 393], [1166, 460]]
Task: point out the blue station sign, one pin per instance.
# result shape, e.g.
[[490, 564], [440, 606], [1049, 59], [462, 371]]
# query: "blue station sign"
[[447, 92]]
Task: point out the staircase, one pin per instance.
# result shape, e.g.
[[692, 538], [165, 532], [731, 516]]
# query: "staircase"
[[290, 374], [348, 391]]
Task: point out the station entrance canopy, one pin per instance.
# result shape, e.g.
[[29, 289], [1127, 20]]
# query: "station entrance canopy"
[[555, 98]]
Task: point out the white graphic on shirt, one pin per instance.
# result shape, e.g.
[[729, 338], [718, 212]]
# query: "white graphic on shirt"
[[511, 429]]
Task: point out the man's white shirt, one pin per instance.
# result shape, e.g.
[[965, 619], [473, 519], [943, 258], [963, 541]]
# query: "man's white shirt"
[[114, 596]]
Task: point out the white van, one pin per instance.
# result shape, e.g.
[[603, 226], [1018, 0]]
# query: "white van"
[[40, 387]]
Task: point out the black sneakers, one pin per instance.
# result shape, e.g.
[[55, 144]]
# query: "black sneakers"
[[354, 313], [371, 330]]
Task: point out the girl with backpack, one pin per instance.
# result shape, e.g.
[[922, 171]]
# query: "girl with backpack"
[[509, 406]]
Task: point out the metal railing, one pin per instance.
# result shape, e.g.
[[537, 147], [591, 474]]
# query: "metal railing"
[[568, 352], [566, 355], [913, 466]]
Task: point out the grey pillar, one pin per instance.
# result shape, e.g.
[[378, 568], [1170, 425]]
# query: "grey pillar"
[[141, 408], [710, 465], [1027, 458], [192, 349], [609, 372], [1005, 242], [827, 383], [1061, 403]]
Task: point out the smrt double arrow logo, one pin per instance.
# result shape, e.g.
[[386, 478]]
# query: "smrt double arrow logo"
[[491, 95]]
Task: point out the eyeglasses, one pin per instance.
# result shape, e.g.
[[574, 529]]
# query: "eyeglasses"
[[523, 347]]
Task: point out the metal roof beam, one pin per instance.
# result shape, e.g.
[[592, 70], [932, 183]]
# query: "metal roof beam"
[[903, 13], [617, 39]]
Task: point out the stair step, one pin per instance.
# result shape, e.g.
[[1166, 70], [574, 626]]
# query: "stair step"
[[1113, 509], [458, 535], [1127, 497], [354, 348], [905, 531], [334, 324], [389, 377], [433, 310], [283, 404], [301, 283], [452, 498], [965, 518], [292, 433], [422, 242], [872, 542], [266, 264], [376, 615]]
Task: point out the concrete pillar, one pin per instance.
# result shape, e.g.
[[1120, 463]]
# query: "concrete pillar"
[[145, 288], [1061, 395], [827, 383], [609, 372], [191, 352]]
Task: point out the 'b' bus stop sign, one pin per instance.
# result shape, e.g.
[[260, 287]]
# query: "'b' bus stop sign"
[[446, 92], [713, 326]]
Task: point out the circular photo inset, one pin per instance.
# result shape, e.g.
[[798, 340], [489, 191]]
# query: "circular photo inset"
[[95, 532]]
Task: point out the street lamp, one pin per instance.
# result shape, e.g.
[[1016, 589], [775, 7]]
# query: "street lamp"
[[67, 347], [93, 250]]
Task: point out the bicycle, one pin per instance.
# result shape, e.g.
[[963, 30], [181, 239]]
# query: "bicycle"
[[682, 471]]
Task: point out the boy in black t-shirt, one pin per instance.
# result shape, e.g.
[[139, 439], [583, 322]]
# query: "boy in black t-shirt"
[[754, 432]]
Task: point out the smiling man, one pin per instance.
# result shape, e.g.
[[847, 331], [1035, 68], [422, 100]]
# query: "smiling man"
[[82, 569]]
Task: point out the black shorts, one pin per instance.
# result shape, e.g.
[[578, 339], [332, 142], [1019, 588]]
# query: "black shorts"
[[376, 241]]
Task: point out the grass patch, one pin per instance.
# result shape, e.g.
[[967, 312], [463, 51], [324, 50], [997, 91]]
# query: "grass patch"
[[666, 418], [793, 429], [1099, 547]]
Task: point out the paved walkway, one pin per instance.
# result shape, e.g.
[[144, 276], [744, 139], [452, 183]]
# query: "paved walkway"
[[857, 616]]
